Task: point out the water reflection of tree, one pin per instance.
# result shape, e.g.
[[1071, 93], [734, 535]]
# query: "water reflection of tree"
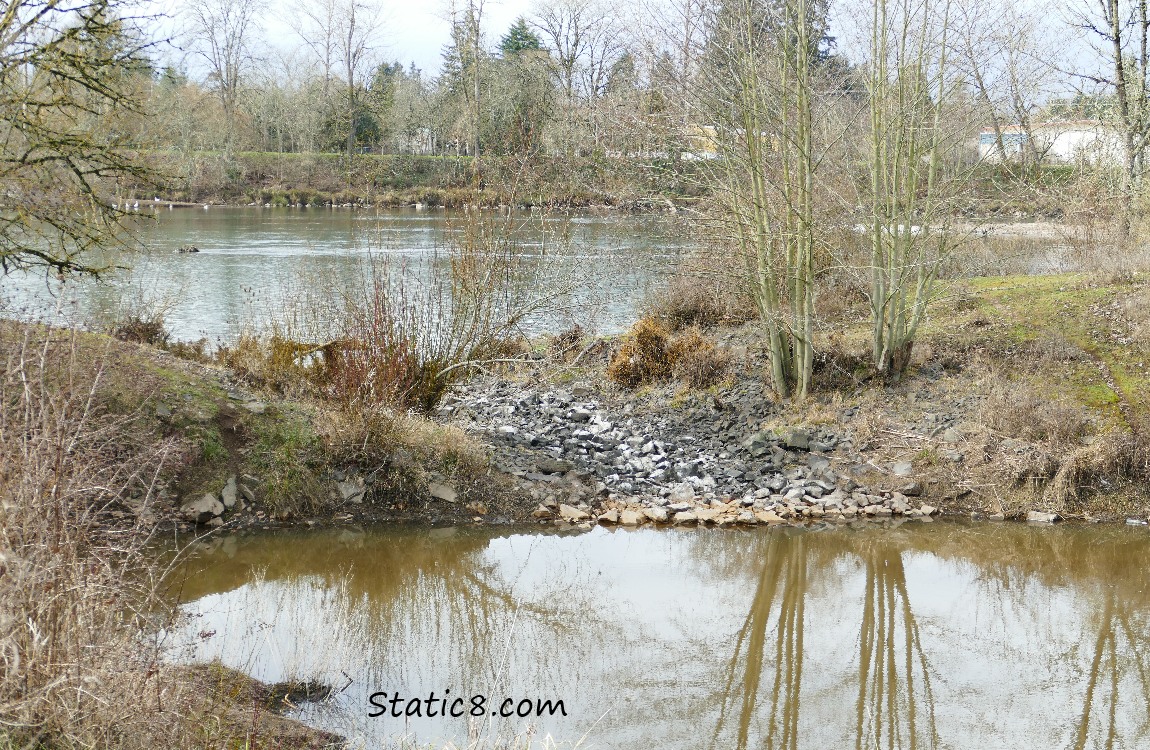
[[365, 600], [1110, 666], [894, 676], [783, 579], [763, 679]]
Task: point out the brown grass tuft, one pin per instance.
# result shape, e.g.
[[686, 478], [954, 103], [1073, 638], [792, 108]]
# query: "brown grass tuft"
[[642, 357], [696, 360], [1113, 456], [699, 299]]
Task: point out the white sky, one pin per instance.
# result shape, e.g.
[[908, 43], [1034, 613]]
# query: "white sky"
[[418, 30], [413, 30]]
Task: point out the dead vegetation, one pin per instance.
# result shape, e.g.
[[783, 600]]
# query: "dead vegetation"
[[697, 299], [81, 605], [649, 353], [1018, 411]]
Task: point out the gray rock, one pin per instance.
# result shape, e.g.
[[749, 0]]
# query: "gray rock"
[[902, 468], [797, 438], [951, 435], [553, 466], [228, 494], [685, 516], [163, 411], [1037, 516], [202, 510], [611, 516], [914, 489], [351, 490], [682, 493], [442, 491], [256, 407]]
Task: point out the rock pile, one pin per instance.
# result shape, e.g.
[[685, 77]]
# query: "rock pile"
[[590, 460]]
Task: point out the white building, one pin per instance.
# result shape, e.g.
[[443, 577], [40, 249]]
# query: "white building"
[[1067, 142]]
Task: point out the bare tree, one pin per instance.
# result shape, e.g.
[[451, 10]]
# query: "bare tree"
[[585, 39], [314, 22], [915, 131], [222, 32], [757, 89], [1120, 30], [343, 34], [1012, 69]]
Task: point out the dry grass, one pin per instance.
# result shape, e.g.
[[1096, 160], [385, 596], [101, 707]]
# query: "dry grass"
[[73, 598], [81, 605], [696, 360], [1019, 412], [703, 294], [1112, 457], [371, 438]]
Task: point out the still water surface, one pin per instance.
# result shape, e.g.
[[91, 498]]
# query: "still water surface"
[[939, 635], [253, 262]]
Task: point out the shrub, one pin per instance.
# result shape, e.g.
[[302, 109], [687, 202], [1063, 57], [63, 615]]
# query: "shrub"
[[642, 357], [564, 344], [277, 363], [696, 360], [138, 329], [696, 299]]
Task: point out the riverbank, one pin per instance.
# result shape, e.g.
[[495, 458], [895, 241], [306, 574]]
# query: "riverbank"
[[1025, 401], [319, 179], [1026, 395]]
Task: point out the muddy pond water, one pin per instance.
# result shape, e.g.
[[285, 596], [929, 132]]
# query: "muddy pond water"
[[921, 635]]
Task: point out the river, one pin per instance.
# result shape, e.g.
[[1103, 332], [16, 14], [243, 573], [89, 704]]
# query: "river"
[[253, 263], [921, 635]]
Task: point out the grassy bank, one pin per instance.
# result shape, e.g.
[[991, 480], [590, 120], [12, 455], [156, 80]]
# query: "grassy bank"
[[289, 179], [102, 445], [1025, 393]]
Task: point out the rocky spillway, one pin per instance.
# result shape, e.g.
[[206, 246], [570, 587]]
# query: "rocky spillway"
[[589, 455]]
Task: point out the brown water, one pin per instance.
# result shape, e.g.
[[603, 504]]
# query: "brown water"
[[919, 636]]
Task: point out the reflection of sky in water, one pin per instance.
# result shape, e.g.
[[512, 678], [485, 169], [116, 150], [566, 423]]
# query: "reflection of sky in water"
[[252, 260], [636, 631]]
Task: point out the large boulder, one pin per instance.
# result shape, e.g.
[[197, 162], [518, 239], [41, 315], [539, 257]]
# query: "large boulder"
[[203, 509], [443, 491]]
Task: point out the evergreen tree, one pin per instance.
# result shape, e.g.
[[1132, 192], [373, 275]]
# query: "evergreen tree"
[[519, 38]]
